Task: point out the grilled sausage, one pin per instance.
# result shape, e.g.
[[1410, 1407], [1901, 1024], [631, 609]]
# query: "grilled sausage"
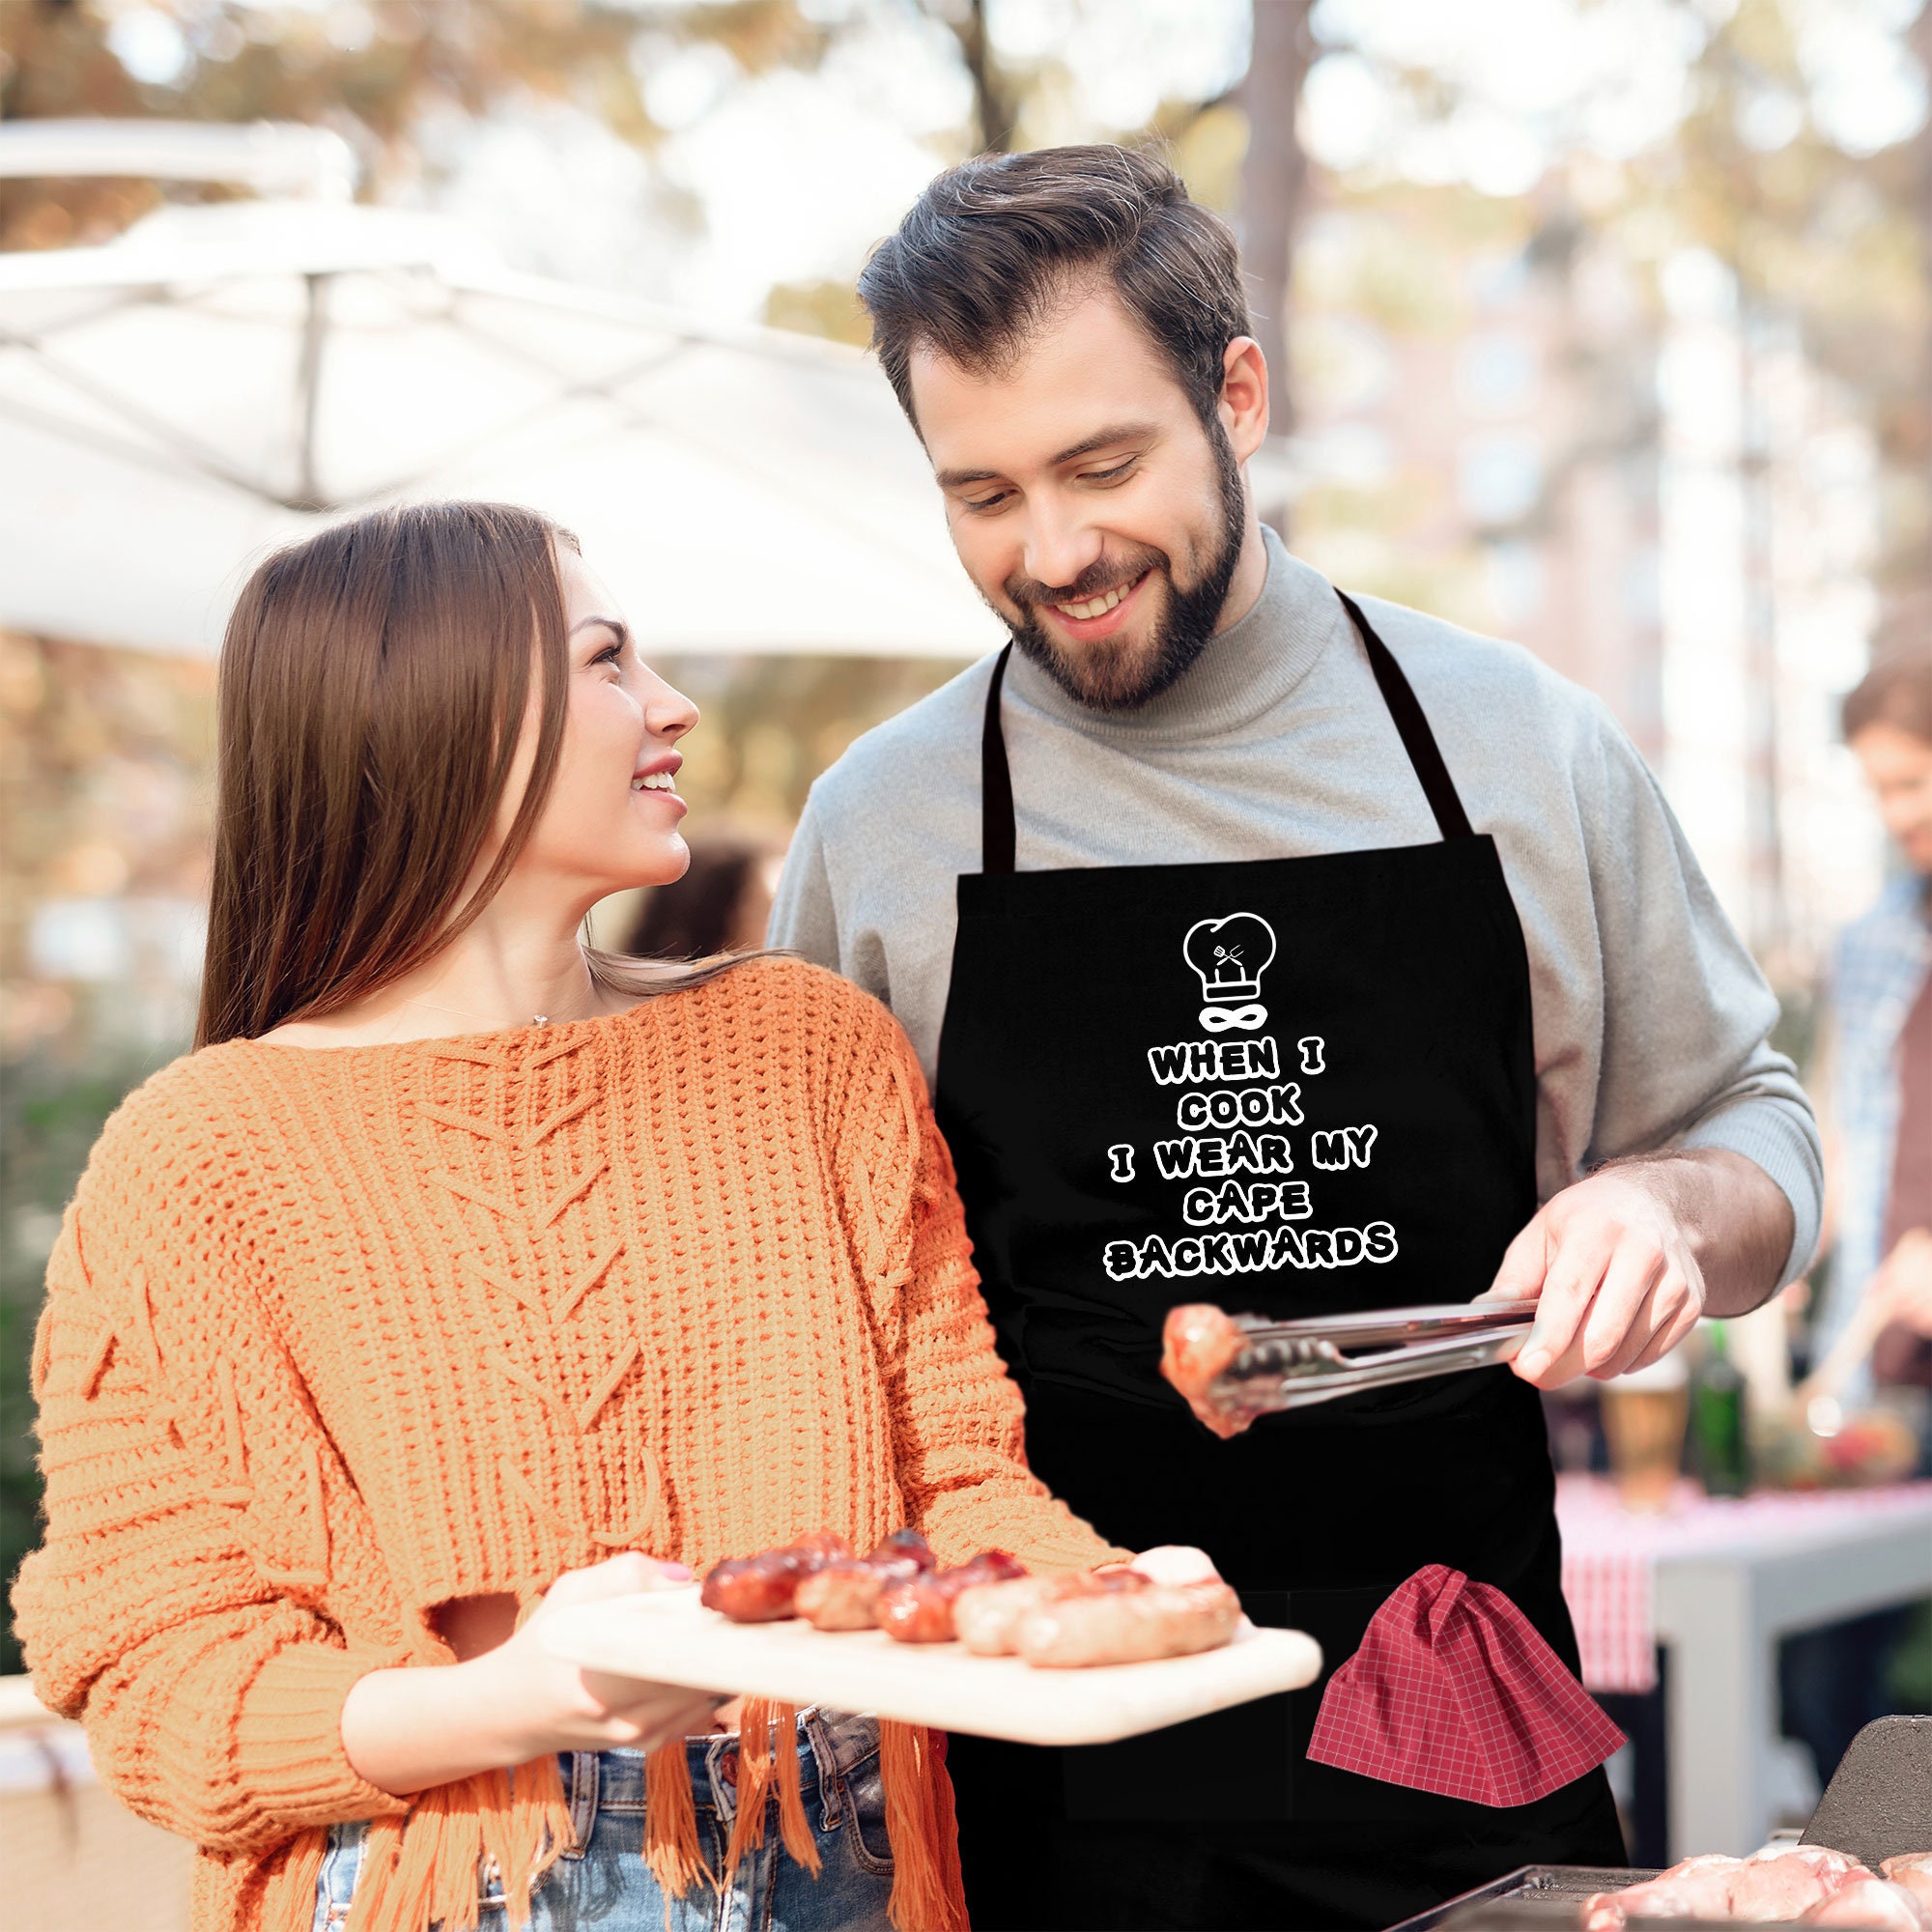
[[905, 1546], [918, 1609], [815, 1551], [844, 1594], [761, 1589], [1128, 1625], [753, 1589], [988, 1617]]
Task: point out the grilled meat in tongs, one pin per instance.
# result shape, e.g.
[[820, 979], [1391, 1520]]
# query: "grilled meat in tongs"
[[1233, 1368]]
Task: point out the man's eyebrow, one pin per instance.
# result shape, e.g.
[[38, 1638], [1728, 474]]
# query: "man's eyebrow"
[[1103, 439], [956, 479], [617, 626]]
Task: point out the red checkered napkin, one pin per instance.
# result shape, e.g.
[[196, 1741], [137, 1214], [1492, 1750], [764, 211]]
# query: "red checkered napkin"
[[1453, 1691]]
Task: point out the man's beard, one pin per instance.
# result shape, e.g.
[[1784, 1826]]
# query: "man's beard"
[[1115, 676]]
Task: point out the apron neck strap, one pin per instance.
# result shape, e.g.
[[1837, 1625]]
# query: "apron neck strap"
[[996, 783], [997, 839], [1412, 726]]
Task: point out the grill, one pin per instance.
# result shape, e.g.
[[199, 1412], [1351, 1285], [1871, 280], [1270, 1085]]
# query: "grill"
[[1878, 1805]]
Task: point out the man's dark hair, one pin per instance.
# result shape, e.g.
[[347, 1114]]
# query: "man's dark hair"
[[990, 246], [1896, 691]]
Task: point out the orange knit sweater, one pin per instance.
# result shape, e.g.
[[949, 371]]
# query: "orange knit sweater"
[[334, 1336]]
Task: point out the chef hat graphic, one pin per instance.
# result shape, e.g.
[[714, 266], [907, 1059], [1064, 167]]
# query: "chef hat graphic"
[[1229, 955]]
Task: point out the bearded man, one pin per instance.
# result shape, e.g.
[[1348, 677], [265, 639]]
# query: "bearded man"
[[1301, 954]]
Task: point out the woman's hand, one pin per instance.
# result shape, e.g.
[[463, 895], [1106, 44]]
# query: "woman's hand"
[[1174, 1563], [544, 1704], [406, 1730]]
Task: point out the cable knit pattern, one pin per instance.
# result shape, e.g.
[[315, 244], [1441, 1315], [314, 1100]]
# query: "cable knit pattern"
[[334, 1336]]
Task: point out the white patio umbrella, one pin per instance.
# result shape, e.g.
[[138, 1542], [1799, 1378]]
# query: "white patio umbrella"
[[222, 378]]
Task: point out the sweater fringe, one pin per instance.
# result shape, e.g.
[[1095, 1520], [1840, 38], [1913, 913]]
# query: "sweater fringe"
[[759, 1774], [928, 1895], [670, 1846], [425, 1870], [288, 1884]]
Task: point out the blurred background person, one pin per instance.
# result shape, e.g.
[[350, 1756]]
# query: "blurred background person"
[[721, 904], [1873, 1328], [1880, 1060]]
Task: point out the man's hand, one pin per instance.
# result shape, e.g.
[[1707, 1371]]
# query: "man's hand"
[[1621, 1266]]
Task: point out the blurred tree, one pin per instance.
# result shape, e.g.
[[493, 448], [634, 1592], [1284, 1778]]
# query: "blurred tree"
[[826, 307], [373, 70], [1274, 178], [995, 110], [1906, 585], [1833, 240]]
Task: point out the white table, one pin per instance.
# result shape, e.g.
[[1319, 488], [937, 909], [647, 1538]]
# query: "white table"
[[1719, 1583]]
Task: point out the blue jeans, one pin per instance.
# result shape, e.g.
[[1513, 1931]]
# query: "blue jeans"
[[602, 1880]]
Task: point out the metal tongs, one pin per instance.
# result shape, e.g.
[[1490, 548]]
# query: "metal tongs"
[[1293, 1364]]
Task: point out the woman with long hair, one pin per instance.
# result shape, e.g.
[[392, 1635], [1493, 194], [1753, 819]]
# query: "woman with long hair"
[[461, 1271]]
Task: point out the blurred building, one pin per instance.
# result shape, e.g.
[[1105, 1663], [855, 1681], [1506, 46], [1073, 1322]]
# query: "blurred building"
[[1535, 426]]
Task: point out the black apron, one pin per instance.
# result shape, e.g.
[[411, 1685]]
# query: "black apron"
[[1293, 1087]]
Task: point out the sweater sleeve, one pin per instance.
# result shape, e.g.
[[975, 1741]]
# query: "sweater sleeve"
[[957, 1418], [210, 1693], [1686, 1058]]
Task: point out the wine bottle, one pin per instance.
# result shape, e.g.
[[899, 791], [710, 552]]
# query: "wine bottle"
[[1719, 1440]]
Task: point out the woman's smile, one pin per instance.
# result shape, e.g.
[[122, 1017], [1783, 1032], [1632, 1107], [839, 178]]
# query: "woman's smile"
[[659, 777]]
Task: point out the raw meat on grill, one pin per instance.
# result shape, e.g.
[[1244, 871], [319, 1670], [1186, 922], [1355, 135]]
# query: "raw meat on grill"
[[1874, 1902], [1913, 1871], [1812, 1884]]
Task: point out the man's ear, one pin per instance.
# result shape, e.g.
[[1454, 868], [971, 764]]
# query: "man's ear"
[[1244, 396]]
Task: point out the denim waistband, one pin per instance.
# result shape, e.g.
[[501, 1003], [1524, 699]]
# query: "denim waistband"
[[831, 1745]]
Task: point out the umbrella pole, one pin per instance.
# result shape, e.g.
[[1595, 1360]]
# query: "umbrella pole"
[[308, 391]]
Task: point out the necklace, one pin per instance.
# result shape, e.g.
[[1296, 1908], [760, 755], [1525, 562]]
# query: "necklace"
[[457, 1012]]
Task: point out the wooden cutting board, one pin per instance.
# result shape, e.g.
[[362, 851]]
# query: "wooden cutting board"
[[670, 1637]]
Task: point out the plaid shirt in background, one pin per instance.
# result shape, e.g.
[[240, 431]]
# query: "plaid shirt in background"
[[1881, 964]]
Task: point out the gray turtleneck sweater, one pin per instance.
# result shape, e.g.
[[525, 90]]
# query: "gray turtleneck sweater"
[[1651, 1019]]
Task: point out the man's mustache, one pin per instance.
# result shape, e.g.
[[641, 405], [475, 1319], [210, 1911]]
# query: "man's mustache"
[[1094, 581]]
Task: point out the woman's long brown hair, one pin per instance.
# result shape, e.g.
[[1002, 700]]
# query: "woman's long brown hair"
[[374, 682]]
